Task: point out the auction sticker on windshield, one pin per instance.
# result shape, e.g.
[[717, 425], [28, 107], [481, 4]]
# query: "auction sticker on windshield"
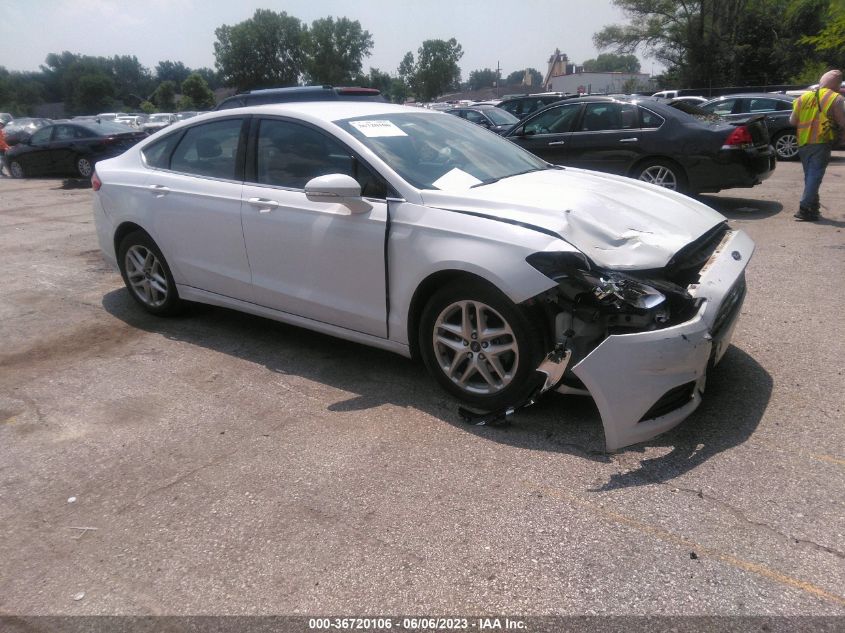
[[376, 129]]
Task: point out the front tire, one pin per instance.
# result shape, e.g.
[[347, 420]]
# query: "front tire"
[[479, 346], [663, 174], [786, 145], [147, 275], [17, 170], [84, 167]]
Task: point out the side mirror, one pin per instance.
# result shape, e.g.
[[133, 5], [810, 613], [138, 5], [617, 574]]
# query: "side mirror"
[[333, 188]]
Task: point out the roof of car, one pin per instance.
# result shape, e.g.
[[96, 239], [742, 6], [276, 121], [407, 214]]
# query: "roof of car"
[[329, 110], [756, 95]]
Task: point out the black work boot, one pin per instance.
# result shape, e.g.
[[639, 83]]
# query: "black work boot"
[[806, 214]]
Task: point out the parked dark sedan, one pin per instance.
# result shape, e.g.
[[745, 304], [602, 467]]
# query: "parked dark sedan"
[[18, 130], [649, 140], [525, 105], [775, 107], [70, 148], [489, 116]]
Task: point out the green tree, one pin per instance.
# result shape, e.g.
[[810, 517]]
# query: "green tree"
[[212, 77], [436, 69], [196, 94], [608, 62], [176, 72], [335, 50], [165, 96], [696, 38], [478, 79], [147, 107], [94, 93], [406, 71], [264, 51]]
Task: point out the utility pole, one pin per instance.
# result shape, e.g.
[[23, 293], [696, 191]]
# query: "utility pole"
[[498, 78]]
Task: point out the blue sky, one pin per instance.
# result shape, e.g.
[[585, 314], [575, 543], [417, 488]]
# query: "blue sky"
[[514, 34]]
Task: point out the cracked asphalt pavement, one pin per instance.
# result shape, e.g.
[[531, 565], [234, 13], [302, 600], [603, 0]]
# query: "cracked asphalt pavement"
[[219, 463]]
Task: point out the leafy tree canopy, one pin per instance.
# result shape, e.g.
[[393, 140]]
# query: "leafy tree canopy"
[[196, 95], [436, 69], [261, 52], [478, 79], [335, 50], [609, 63], [519, 77]]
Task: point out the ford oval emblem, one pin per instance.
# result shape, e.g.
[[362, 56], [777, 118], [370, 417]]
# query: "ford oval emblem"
[[736, 255]]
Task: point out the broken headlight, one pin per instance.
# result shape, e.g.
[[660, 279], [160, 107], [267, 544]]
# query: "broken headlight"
[[576, 279]]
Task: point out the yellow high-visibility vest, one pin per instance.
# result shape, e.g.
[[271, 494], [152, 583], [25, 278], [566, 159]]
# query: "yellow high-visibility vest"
[[812, 108]]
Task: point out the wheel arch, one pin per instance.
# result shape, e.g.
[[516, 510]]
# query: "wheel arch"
[[125, 229], [425, 290]]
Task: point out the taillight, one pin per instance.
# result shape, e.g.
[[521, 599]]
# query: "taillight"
[[96, 183], [740, 137]]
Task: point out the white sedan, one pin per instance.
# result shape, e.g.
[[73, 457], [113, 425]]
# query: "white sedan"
[[416, 232]]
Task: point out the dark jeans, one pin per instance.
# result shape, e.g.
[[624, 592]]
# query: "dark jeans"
[[814, 160]]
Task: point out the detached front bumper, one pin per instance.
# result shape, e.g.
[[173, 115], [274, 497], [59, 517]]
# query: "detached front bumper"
[[647, 383]]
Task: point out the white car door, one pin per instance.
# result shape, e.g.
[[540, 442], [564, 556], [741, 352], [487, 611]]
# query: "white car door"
[[320, 260], [195, 193]]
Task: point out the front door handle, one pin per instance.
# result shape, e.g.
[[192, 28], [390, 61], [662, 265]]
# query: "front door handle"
[[628, 140], [557, 143], [159, 190], [264, 205]]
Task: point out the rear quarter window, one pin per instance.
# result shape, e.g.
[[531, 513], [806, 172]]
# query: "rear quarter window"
[[157, 154]]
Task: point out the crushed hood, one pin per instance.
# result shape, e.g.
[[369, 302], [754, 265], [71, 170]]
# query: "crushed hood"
[[619, 223]]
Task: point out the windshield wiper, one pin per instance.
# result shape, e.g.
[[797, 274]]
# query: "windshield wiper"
[[490, 181]]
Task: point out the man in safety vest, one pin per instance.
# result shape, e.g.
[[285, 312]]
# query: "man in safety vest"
[[812, 114]]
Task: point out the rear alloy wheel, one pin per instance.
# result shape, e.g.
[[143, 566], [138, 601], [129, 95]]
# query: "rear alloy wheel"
[[786, 146], [479, 346], [84, 167], [147, 275], [16, 169], [661, 173]]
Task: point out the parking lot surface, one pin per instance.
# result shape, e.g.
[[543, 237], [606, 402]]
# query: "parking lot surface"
[[219, 463]]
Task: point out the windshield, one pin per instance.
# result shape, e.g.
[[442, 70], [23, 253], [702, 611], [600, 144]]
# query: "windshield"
[[433, 151], [106, 128], [159, 117], [501, 117]]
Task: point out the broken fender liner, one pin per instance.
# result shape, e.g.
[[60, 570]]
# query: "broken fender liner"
[[553, 366]]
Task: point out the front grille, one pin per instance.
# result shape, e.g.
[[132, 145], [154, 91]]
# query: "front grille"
[[730, 306], [670, 401]]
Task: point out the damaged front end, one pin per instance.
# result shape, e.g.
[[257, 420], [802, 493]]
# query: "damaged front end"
[[640, 342]]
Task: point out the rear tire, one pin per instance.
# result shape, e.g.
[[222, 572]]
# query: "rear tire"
[[147, 275], [662, 173], [479, 346]]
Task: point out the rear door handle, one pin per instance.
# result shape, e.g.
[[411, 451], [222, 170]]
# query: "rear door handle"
[[557, 143], [628, 140], [264, 205], [159, 190]]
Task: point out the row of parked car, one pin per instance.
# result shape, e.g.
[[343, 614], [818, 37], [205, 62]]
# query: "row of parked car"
[[688, 144], [73, 146], [728, 142]]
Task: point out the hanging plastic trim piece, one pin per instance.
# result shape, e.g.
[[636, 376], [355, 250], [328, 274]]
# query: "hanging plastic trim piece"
[[553, 366]]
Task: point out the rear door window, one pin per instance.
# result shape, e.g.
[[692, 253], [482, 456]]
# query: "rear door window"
[[557, 120], [209, 150]]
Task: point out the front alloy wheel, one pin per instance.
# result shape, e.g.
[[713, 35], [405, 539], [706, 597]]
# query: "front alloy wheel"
[[16, 169], [475, 347], [786, 146], [479, 346]]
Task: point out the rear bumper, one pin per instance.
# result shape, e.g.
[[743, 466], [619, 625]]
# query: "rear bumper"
[[734, 168], [647, 383]]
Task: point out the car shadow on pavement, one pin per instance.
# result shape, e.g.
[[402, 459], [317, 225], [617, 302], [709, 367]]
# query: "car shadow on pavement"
[[741, 208], [738, 390]]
